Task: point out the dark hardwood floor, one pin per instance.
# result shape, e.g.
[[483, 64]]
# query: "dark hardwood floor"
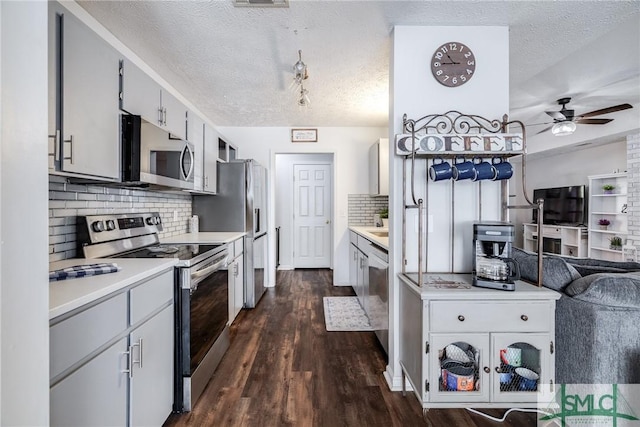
[[284, 369]]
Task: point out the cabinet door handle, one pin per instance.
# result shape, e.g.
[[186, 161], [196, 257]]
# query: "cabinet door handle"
[[206, 182], [487, 369], [524, 317], [70, 142], [139, 361], [128, 371], [56, 142], [164, 116], [461, 318], [498, 370], [160, 115], [235, 270]]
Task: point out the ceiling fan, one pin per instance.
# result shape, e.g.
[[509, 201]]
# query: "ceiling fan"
[[564, 121]]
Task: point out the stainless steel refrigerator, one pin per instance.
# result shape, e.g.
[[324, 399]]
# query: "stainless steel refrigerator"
[[240, 205]]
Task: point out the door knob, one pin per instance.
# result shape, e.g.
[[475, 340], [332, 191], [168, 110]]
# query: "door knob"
[[328, 221]]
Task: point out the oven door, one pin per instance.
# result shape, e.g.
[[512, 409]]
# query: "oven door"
[[203, 318]]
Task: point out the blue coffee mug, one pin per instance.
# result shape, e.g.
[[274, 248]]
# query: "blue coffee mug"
[[503, 170], [463, 170], [483, 170], [440, 171]]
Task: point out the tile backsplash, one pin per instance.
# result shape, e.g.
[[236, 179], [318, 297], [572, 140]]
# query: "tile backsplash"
[[362, 207], [68, 201]]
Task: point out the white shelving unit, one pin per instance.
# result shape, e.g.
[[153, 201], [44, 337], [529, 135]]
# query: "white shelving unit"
[[612, 206], [564, 240]]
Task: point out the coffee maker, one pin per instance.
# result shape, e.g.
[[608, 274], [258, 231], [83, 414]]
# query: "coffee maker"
[[493, 266]]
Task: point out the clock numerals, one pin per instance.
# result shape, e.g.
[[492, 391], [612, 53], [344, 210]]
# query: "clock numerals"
[[453, 64]]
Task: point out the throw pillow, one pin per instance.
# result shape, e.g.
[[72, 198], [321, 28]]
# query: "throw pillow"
[[611, 289], [556, 273]]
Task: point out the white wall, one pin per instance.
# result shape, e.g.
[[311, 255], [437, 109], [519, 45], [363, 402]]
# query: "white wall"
[[350, 148], [415, 92], [559, 169], [24, 287]]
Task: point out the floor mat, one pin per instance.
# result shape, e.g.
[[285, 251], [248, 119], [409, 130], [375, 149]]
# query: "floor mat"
[[345, 314]]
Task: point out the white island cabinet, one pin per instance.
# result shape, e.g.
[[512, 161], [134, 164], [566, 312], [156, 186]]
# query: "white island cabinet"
[[236, 278], [112, 359], [462, 346]]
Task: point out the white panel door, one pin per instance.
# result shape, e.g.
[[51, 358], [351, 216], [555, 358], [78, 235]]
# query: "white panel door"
[[312, 198]]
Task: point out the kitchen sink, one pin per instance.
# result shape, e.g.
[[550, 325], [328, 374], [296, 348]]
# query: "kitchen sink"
[[380, 233]]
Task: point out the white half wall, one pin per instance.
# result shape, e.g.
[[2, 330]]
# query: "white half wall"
[[24, 285], [415, 92], [350, 149]]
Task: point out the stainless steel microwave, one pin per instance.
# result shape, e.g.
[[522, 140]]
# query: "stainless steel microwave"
[[152, 156]]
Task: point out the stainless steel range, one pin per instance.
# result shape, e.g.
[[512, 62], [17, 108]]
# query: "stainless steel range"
[[201, 292]]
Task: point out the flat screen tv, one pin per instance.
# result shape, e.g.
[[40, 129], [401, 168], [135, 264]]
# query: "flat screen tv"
[[562, 205]]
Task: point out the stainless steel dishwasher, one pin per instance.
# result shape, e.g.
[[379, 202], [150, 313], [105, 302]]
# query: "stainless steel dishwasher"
[[378, 307]]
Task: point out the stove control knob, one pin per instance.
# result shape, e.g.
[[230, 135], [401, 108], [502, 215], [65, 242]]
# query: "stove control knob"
[[150, 220], [111, 225], [98, 226], [158, 220]]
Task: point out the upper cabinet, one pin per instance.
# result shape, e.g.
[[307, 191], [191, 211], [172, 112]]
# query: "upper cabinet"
[[84, 129], [141, 95], [226, 151], [379, 168], [210, 161]]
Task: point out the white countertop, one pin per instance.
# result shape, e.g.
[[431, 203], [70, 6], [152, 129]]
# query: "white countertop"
[[204, 238], [448, 285], [365, 232], [69, 294]]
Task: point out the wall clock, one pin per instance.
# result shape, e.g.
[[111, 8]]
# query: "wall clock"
[[453, 64]]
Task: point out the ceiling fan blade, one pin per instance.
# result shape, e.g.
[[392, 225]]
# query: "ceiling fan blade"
[[557, 115], [544, 130], [607, 110], [594, 121]]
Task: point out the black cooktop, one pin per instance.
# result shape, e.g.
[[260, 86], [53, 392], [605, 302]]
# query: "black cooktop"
[[181, 252]]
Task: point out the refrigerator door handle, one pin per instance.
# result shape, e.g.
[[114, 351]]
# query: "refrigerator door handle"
[[256, 220]]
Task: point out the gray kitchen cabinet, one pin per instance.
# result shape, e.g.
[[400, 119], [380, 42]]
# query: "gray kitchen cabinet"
[[210, 160], [95, 394], [151, 386], [359, 268], [84, 131], [112, 362], [195, 135], [236, 278], [379, 168], [143, 96]]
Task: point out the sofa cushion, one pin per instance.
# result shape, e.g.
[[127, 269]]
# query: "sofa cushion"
[[586, 270], [611, 289], [556, 273]]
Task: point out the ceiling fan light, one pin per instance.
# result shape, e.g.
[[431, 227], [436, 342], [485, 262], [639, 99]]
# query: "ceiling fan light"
[[563, 128]]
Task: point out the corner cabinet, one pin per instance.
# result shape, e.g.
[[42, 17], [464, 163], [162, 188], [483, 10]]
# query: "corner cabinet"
[[379, 168], [463, 346], [609, 204], [111, 362], [84, 133]]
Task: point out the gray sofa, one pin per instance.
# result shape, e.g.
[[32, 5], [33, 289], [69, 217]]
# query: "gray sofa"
[[597, 317]]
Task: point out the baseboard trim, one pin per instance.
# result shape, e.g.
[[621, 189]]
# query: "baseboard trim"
[[395, 382]]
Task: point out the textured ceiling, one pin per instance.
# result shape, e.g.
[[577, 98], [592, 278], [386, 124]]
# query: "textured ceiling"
[[235, 64]]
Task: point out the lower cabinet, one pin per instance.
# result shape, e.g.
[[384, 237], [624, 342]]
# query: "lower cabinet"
[[103, 374], [236, 278], [478, 347]]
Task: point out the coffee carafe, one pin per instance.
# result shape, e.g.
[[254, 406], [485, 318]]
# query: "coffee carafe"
[[493, 266]]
